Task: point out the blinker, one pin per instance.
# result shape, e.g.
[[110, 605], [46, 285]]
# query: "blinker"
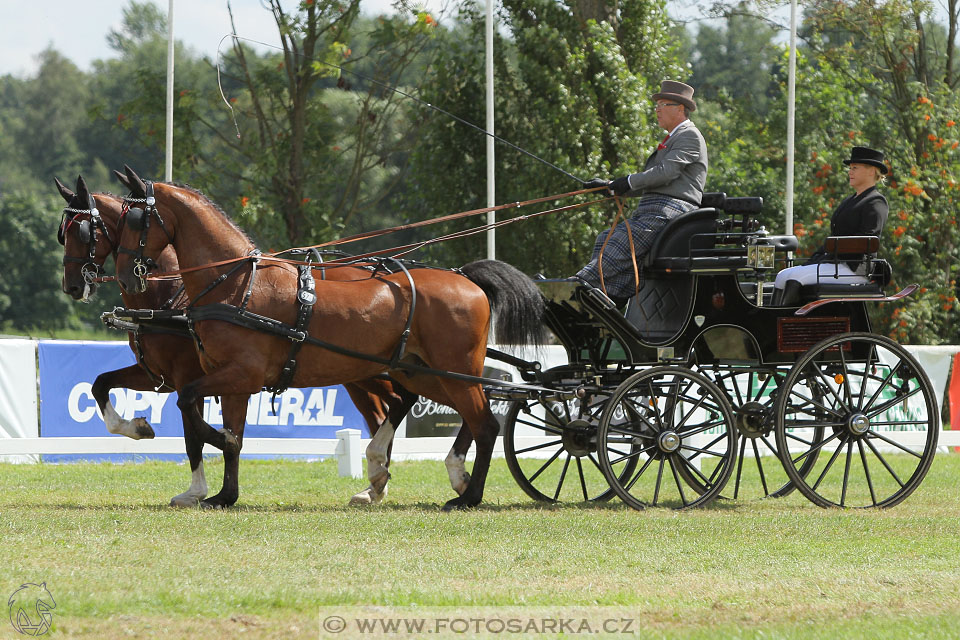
[[135, 218]]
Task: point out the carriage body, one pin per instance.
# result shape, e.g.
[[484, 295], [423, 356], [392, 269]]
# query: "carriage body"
[[701, 379]]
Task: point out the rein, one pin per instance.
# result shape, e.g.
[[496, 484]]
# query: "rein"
[[341, 262]]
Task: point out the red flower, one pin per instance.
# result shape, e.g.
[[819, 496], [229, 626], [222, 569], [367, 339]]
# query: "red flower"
[[899, 231], [931, 137], [305, 201], [184, 92], [244, 201], [950, 123]]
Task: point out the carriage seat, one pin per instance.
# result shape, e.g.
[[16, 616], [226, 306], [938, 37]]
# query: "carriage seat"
[[852, 248]]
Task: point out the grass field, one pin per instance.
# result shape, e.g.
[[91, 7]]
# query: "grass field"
[[121, 564]]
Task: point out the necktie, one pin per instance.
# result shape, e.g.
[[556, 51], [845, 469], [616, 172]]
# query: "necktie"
[[663, 145]]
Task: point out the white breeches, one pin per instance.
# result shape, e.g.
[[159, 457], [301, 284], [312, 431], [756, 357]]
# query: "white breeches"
[[825, 271]]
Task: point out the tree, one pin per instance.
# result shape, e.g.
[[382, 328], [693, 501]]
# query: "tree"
[[573, 82]]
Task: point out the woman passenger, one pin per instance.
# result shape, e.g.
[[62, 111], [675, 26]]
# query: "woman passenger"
[[862, 214]]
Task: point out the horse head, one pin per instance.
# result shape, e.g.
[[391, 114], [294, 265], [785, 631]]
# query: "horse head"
[[88, 234], [138, 248]]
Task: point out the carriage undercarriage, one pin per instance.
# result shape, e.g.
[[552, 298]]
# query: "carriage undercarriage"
[[700, 389]]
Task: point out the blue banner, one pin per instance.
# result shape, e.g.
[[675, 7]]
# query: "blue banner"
[[67, 408]]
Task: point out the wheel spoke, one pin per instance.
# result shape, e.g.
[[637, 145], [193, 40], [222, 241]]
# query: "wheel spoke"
[[583, 481], [656, 489], [876, 434], [707, 452], [823, 474], [816, 404], [736, 485], [846, 473], [676, 479], [539, 446], [866, 472], [763, 478], [545, 465], [686, 463], [866, 372], [770, 446], [627, 456], [884, 463], [845, 372], [541, 426], [884, 383], [826, 385], [639, 473], [814, 448], [893, 402], [563, 474], [707, 446]]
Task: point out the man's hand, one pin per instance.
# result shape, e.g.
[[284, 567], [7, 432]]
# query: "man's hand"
[[620, 186], [595, 182]]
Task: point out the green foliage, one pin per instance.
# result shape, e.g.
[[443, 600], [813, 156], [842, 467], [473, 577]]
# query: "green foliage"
[[569, 88], [30, 296]]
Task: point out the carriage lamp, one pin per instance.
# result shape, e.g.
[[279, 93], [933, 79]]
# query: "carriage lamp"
[[760, 253]]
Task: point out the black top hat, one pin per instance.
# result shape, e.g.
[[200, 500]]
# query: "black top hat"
[[672, 90], [866, 155]]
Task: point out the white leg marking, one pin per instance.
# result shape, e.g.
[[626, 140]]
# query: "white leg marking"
[[197, 491], [457, 470], [137, 429], [377, 471]]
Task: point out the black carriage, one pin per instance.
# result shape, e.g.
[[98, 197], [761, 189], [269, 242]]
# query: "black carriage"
[[700, 380]]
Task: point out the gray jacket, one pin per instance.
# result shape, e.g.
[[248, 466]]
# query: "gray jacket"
[[679, 170]]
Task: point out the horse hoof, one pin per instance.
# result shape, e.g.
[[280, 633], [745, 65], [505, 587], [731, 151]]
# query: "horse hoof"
[[143, 430], [230, 443], [368, 496], [184, 501], [461, 487], [458, 504]]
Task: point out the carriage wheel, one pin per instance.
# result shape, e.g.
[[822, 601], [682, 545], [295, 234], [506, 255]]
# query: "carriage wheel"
[[753, 393], [551, 449], [678, 429], [880, 419]]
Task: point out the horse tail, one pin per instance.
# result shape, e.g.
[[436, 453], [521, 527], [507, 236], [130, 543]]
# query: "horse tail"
[[514, 300]]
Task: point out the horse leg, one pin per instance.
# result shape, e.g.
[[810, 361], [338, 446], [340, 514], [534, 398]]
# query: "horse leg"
[[234, 416], [472, 404], [371, 408], [457, 458], [194, 443], [382, 425], [132, 377]]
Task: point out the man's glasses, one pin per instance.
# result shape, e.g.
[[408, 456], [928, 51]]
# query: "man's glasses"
[[666, 104]]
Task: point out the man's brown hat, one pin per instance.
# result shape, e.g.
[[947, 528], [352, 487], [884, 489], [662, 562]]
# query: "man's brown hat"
[[682, 93]]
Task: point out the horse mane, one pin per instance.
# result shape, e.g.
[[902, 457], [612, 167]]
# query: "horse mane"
[[217, 207]]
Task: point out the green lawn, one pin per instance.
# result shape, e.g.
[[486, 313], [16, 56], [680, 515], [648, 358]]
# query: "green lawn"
[[120, 563]]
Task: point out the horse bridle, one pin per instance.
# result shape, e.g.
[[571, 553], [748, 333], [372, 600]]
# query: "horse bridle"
[[139, 220], [87, 233]]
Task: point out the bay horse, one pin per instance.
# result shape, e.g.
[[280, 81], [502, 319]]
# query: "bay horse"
[[409, 324], [89, 231]]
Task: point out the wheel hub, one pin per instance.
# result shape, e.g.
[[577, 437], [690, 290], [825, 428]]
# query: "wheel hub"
[[752, 420], [668, 441], [579, 438], [858, 424]]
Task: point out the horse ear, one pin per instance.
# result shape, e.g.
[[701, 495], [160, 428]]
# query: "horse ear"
[[122, 177], [136, 184], [82, 191], [65, 192]]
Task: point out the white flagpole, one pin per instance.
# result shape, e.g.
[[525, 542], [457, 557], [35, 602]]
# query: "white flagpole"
[[491, 181], [168, 161], [791, 113]]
